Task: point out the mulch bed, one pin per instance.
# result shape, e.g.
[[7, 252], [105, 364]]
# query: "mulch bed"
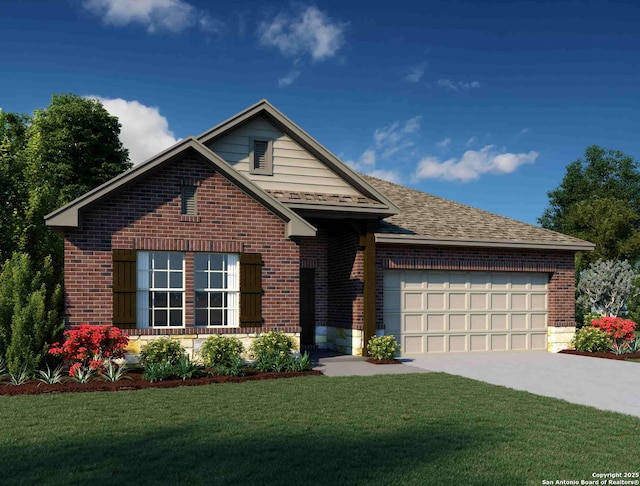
[[382, 361], [621, 357], [35, 387]]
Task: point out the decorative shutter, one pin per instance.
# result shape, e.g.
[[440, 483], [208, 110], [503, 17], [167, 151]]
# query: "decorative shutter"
[[260, 148], [124, 289], [250, 290]]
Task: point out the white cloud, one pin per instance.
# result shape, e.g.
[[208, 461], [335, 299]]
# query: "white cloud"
[[473, 164], [288, 79], [388, 175], [444, 143], [155, 15], [457, 86], [396, 137], [144, 132], [415, 73], [471, 141], [524, 131], [368, 157], [312, 32]]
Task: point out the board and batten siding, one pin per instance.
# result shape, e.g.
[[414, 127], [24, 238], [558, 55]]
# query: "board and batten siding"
[[294, 169]]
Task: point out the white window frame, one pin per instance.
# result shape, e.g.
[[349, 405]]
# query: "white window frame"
[[149, 268], [206, 280]]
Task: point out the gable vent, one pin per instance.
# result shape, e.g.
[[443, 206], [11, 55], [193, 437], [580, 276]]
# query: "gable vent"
[[260, 154], [189, 200]]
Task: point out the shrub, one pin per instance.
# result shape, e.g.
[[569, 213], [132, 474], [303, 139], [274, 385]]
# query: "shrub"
[[272, 351], [221, 351], [90, 346], [634, 345], [590, 316], [236, 367], [591, 339], [161, 350], [185, 368], [606, 286], [617, 328], [158, 371], [383, 347]]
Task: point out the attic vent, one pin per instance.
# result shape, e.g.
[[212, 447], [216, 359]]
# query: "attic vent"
[[261, 157], [189, 200]]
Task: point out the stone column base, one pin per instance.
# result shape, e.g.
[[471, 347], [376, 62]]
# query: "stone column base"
[[559, 338]]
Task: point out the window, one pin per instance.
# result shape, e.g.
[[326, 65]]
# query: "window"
[[261, 156], [216, 289], [189, 200], [160, 299]]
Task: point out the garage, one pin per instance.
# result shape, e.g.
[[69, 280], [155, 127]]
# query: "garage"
[[432, 311]]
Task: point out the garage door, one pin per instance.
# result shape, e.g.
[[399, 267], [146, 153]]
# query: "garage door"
[[437, 311]]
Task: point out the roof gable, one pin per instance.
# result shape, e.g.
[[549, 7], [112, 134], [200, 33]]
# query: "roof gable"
[[300, 157], [69, 215]]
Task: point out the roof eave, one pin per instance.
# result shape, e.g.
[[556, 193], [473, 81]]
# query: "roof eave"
[[528, 245]]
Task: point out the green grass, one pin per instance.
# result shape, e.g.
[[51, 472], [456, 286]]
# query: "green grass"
[[395, 429]]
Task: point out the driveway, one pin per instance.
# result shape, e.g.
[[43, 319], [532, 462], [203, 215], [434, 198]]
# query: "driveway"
[[601, 383]]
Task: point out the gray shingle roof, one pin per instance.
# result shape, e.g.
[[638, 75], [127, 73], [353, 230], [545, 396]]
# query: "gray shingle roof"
[[431, 217]]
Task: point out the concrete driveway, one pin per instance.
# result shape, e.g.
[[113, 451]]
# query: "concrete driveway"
[[601, 383]]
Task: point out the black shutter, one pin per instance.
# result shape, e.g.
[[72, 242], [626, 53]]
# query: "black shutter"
[[250, 290], [124, 288]]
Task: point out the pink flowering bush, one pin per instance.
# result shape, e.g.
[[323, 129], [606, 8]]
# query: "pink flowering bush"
[[90, 347], [617, 328]]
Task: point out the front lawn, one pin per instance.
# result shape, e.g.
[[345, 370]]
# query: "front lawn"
[[394, 429]]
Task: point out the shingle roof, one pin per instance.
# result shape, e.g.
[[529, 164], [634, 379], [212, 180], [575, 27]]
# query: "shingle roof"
[[431, 217]]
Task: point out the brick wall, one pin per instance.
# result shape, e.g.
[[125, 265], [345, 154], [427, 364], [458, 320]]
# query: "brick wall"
[[345, 277], [313, 254], [558, 264], [146, 216]]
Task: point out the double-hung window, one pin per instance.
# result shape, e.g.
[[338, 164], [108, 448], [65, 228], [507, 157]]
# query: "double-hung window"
[[216, 288], [160, 300]]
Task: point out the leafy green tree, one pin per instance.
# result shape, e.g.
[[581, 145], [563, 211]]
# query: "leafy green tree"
[[599, 200], [72, 147], [30, 319], [12, 184]]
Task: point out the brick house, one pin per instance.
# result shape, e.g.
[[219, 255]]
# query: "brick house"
[[255, 226]]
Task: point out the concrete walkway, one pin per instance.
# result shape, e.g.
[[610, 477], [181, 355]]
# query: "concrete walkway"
[[601, 383]]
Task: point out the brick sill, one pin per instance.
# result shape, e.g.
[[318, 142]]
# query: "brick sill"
[[189, 219]]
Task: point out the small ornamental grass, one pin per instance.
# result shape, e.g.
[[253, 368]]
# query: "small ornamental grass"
[[161, 350], [591, 339], [383, 347], [51, 376]]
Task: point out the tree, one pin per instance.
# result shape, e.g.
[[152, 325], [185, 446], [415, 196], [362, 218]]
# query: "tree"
[[72, 147], [606, 286], [599, 200], [13, 198]]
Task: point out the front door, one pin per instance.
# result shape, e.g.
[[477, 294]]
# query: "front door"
[[307, 307]]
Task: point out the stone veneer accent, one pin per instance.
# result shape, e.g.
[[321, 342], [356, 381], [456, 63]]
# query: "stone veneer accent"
[[192, 343], [559, 338], [347, 341]]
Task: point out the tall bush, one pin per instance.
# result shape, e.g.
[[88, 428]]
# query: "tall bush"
[[30, 312], [606, 286]]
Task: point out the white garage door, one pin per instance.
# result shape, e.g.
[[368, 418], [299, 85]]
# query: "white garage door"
[[437, 311]]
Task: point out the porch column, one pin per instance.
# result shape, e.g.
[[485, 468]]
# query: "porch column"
[[369, 290]]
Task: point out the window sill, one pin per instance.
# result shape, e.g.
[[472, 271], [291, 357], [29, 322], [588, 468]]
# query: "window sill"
[[184, 218]]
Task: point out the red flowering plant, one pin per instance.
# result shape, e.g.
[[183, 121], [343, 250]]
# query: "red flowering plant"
[[618, 328], [90, 347]]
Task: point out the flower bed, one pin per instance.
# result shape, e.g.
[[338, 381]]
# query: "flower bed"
[[35, 387], [606, 355]]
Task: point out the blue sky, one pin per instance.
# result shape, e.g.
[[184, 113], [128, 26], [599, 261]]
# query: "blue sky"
[[480, 102]]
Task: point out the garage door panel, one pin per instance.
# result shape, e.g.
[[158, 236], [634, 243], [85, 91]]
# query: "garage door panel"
[[478, 322], [441, 311], [457, 322]]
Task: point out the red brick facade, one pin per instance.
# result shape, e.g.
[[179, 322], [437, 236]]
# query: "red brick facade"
[[146, 215], [558, 264]]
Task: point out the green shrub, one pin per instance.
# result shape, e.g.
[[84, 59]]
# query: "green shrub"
[[220, 351], [590, 316], [186, 369], [592, 340], [161, 350], [235, 367], [163, 370], [383, 347], [272, 351]]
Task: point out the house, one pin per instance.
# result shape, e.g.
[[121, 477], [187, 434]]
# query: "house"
[[255, 226]]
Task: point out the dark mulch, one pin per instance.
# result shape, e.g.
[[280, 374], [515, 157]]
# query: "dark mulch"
[[35, 387], [608, 355], [383, 361]]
